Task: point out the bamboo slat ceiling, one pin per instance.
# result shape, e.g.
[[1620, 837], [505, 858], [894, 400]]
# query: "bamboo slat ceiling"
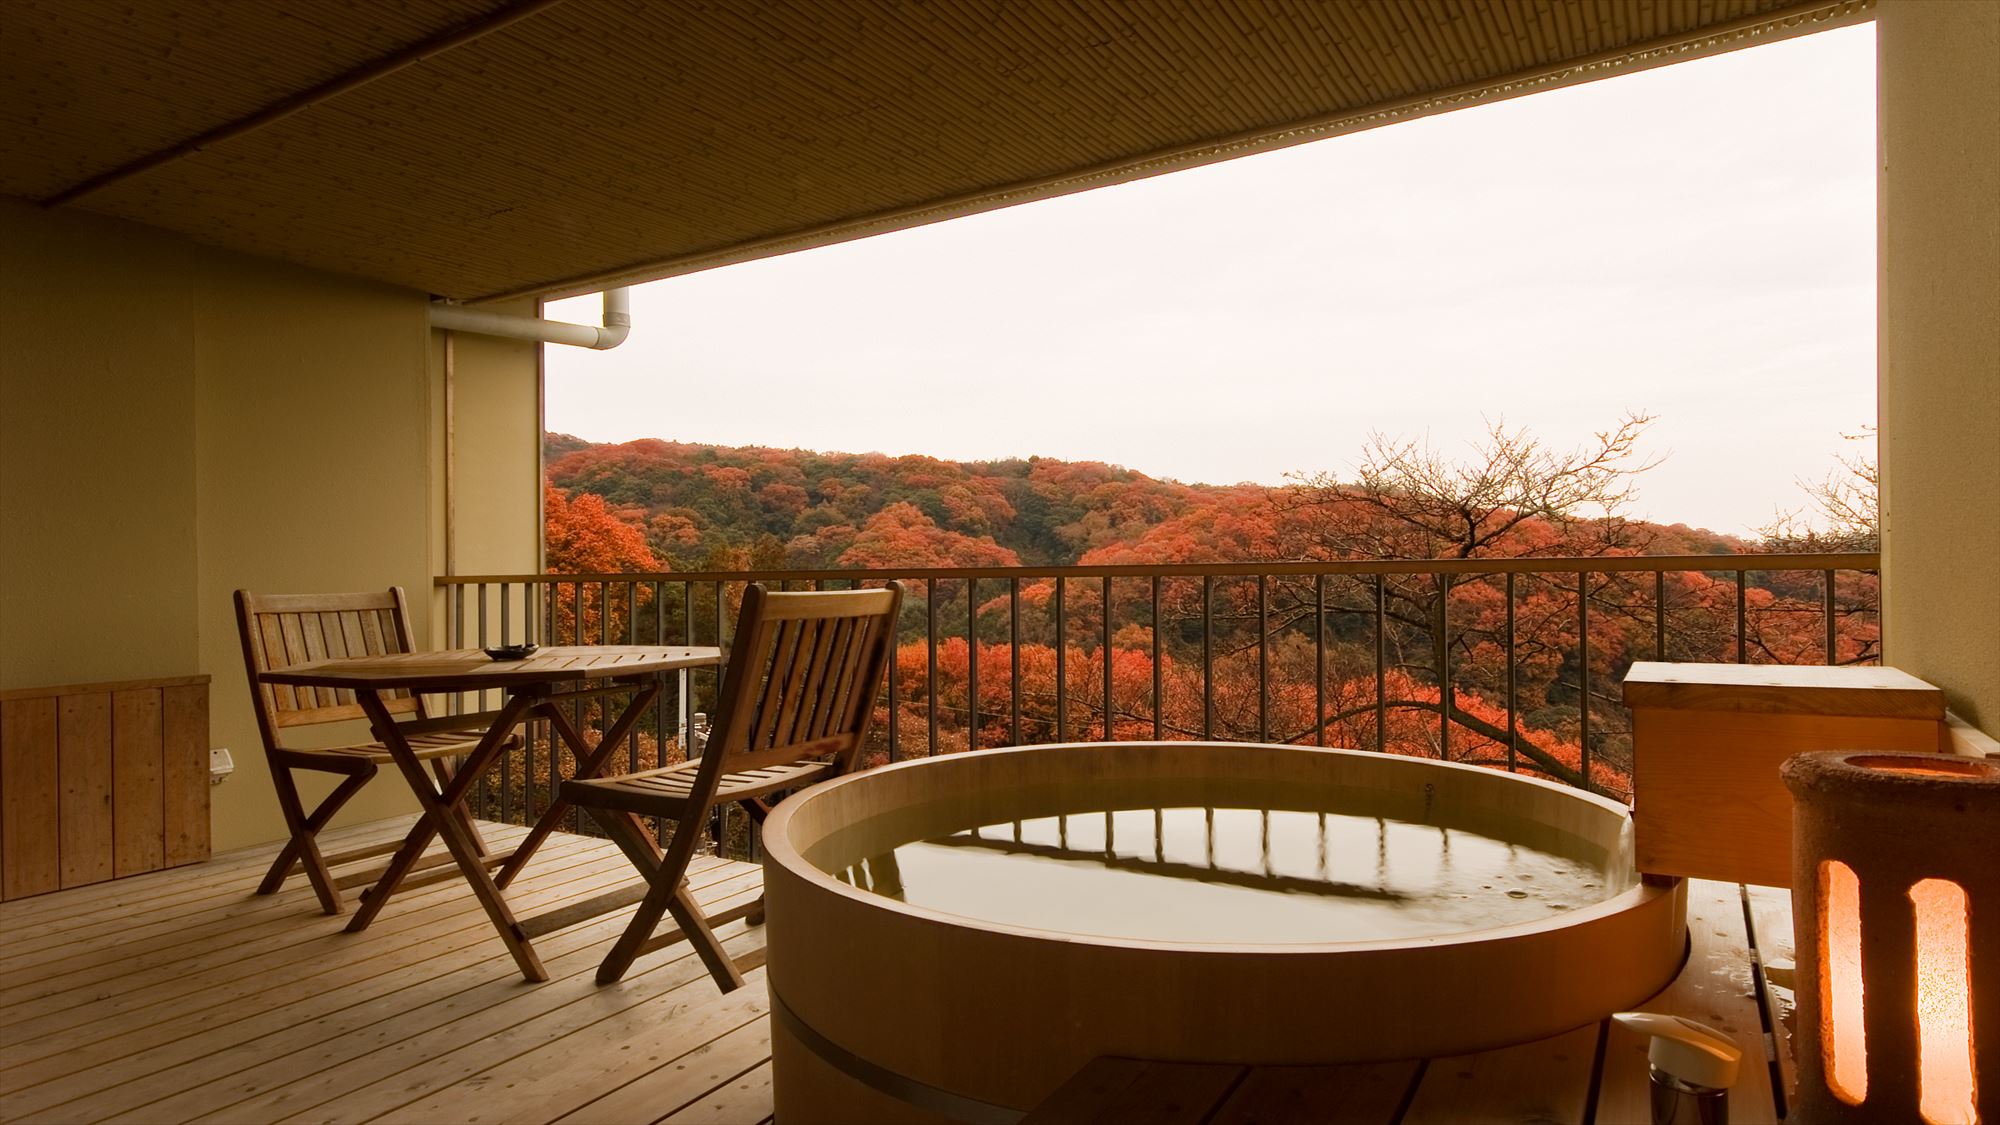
[[551, 147]]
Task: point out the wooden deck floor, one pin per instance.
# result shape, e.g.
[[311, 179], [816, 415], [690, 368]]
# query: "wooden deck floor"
[[178, 996]]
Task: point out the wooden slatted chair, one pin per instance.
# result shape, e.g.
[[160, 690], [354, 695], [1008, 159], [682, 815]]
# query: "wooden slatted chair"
[[797, 700], [280, 630]]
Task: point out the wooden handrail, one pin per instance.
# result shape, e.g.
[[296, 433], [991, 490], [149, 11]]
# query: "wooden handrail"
[[1605, 564]]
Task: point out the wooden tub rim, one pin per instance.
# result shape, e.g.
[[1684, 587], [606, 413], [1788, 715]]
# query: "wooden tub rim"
[[779, 851]]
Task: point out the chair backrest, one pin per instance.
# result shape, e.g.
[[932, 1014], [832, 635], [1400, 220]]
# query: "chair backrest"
[[801, 682], [280, 630]]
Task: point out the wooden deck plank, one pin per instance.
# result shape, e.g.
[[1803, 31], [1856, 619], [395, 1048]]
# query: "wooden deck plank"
[[236, 906], [209, 1046], [161, 944], [1716, 988], [273, 956], [504, 1032], [76, 905], [141, 899], [312, 1043], [736, 1102], [198, 1048], [1777, 966], [306, 1066], [1541, 1083], [550, 1080], [670, 1083], [40, 948]]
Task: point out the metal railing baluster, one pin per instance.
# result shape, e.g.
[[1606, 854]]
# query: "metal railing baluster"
[[1263, 659], [1381, 662], [1659, 615], [1014, 660], [1319, 660], [1742, 620], [1104, 646], [1062, 666], [1207, 656], [1444, 667], [1583, 674], [930, 645], [972, 664], [1513, 693], [1159, 666]]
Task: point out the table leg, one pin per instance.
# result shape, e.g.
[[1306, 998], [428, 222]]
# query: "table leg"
[[442, 816], [589, 763]]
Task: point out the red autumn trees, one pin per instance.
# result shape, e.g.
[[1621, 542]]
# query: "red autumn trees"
[[1286, 659]]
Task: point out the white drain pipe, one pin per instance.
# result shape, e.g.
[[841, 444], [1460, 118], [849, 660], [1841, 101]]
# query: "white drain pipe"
[[617, 323]]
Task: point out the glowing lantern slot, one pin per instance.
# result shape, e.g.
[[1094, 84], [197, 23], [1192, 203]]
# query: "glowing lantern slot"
[[1843, 1035], [1944, 1004]]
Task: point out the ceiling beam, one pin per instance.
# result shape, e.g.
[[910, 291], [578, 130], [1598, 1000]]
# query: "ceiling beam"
[[332, 88]]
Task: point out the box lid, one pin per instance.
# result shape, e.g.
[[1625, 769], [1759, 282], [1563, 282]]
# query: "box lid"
[[1783, 690]]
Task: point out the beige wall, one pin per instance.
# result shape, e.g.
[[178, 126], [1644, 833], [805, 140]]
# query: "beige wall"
[[1940, 345], [97, 456], [180, 422], [497, 444], [313, 473]]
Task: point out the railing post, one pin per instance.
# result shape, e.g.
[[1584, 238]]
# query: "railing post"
[[1263, 659], [1583, 673], [1062, 666], [930, 642], [1381, 664], [1659, 615], [1014, 660], [972, 663], [1444, 666], [1319, 660], [1742, 620], [1159, 676], [1207, 656], [1513, 665], [1104, 644]]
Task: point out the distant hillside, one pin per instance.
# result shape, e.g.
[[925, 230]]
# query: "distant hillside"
[[706, 506]]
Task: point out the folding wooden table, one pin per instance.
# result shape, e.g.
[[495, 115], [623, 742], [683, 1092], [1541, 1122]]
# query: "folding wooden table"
[[535, 688]]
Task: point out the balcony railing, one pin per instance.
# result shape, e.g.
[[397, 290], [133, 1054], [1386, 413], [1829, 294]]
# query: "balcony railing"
[[1510, 663]]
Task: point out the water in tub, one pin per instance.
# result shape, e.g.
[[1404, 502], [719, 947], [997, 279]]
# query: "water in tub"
[[1243, 874]]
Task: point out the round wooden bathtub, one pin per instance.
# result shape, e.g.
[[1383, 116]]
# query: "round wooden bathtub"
[[884, 1011]]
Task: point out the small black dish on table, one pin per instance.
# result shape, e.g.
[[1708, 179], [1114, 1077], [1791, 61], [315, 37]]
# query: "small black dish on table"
[[511, 652]]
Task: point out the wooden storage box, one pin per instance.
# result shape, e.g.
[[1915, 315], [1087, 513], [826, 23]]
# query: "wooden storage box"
[[99, 781], [1707, 740]]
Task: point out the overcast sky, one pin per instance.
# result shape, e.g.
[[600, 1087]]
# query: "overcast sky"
[[1696, 241]]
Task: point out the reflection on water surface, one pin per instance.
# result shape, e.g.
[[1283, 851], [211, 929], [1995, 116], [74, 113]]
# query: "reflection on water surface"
[[1236, 875]]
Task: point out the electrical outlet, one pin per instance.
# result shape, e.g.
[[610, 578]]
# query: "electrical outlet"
[[220, 765]]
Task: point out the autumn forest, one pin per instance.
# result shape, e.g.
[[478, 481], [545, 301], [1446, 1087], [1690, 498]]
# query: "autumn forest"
[[1400, 659]]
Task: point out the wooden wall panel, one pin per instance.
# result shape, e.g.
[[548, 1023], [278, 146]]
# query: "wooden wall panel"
[[83, 764], [101, 780], [138, 782], [185, 745], [29, 863]]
